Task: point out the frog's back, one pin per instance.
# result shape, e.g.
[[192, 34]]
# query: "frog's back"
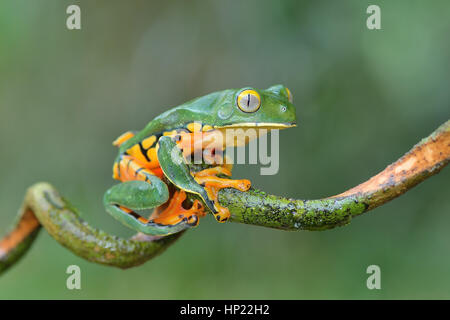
[[192, 116], [185, 117]]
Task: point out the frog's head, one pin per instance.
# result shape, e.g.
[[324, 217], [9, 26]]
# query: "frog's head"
[[245, 108], [252, 108]]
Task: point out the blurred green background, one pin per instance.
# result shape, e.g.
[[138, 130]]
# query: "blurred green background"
[[363, 99]]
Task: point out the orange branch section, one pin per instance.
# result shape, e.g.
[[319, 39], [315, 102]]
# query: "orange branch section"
[[26, 225], [426, 158]]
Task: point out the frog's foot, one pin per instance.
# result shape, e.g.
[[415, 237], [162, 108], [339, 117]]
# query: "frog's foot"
[[213, 184], [175, 213]]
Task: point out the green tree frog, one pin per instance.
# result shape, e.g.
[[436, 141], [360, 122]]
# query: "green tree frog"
[[155, 173]]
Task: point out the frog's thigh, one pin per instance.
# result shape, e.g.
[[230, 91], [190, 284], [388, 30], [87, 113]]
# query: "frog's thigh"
[[177, 171], [138, 195], [123, 199]]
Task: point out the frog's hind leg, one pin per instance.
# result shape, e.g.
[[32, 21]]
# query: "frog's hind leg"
[[142, 190]]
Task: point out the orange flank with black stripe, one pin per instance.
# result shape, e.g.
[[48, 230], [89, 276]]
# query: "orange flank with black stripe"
[[144, 152], [128, 169], [140, 160]]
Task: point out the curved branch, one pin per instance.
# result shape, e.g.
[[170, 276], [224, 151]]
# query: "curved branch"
[[255, 207], [43, 206]]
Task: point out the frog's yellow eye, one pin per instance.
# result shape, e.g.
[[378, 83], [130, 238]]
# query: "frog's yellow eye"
[[249, 100], [289, 94]]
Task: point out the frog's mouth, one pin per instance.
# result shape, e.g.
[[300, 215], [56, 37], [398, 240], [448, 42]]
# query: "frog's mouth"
[[258, 125], [240, 134]]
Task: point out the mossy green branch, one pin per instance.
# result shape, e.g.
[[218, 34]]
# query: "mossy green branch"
[[425, 159], [258, 208], [43, 206]]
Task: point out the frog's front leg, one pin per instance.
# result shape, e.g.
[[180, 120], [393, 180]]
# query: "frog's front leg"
[[213, 184], [204, 183], [141, 190]]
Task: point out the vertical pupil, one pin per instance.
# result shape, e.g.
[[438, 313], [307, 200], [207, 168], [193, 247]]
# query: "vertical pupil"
[[248, 100]]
